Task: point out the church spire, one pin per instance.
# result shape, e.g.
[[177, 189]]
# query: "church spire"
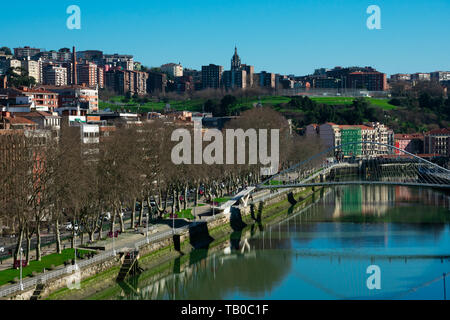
[[236, 61]]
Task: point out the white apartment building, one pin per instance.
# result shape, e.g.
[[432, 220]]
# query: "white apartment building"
[[34, 68], [55, 76], [173, 69], [333, 135]]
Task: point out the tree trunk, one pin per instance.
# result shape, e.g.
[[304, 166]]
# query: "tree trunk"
[[27, 255], [122, 225], [100, 229], [91, 235], [178, 201], [150, 209], [113, 219], [133, 213], [58, 237], [185, 197], [141, 212], [38, 241]]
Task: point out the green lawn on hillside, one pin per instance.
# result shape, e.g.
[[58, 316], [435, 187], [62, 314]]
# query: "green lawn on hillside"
[[242, 103]]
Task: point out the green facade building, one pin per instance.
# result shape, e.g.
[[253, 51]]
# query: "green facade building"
[[349, 135]]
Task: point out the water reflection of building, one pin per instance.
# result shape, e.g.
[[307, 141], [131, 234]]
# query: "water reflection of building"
[[378, 199], [370, 200]]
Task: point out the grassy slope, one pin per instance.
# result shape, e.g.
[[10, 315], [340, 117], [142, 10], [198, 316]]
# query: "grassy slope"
[[197, 104]]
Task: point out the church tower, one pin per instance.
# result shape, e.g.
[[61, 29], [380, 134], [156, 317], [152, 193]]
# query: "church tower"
[[236, 61]]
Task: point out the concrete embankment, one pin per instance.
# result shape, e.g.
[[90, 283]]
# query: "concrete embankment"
[[156, 257]]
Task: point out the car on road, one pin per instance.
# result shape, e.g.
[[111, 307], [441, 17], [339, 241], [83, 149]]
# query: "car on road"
[[70, 227], [107, 216]]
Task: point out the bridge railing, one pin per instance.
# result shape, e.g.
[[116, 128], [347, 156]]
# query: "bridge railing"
[[373, 165]]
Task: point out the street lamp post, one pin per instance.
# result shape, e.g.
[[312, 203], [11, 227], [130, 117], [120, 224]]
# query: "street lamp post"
[[21, 283], [147, 222], [113, 234], [173, 223]]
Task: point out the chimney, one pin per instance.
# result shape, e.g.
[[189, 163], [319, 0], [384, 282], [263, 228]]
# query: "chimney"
[[74, 71]]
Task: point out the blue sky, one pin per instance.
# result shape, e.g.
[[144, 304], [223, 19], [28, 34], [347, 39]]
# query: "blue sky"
[[282, 36]]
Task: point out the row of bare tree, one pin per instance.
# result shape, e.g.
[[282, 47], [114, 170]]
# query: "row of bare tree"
[[47, 182]]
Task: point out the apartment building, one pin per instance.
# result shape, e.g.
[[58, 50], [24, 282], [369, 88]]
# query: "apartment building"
[[156, 82], [212, 76], [41, 99], [347, 136], [34, 69], [87, 75], [173, 69], [437, 142], [26, 52], [73, 97], [123, 61], [54, 75], [124, 81], [412, 143]]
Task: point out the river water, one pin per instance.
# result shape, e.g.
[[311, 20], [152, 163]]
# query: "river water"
[[358, 242]]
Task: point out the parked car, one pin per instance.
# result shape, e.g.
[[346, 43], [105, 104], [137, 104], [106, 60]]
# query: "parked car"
[[70, 227], [107, 216]]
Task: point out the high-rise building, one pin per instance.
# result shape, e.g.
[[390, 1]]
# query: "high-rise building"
[[212, 76], [34, 68], [250, 70], [157, 82], [88, 74], [372, 81], [266, 80], [124, 81], [55, 75]]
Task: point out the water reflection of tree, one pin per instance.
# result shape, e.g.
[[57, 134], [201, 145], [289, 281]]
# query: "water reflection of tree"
[[253, 276]]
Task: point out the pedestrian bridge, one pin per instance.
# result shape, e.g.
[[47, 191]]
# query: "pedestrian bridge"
[[356, 164]]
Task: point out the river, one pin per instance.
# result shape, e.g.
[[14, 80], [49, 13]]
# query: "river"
[[356, 242]]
